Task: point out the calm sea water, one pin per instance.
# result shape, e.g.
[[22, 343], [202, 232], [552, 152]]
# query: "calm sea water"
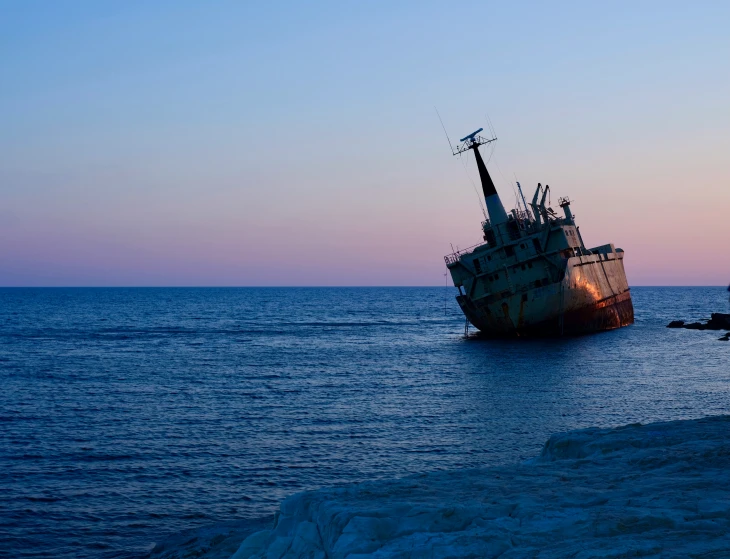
[[129, 414]]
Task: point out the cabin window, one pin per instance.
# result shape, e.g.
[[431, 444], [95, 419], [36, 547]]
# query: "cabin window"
[[536, 244], [489, 257], [489, 236], [522, 245], [477, 266], [509, 251]]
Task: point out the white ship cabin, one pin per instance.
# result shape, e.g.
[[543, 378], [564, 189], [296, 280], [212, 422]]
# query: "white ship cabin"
[[525, 250]]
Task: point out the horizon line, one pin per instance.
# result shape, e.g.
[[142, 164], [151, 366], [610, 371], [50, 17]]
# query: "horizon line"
[[272, 286]]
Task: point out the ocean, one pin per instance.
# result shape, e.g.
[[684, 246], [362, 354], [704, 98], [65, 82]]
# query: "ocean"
[[130, 414]]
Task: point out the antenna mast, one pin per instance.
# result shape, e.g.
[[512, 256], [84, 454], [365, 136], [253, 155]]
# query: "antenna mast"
[[495, 209], [445, 132]]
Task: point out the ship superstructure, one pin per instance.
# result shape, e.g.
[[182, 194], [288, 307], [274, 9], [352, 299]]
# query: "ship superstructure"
[[533, 275]]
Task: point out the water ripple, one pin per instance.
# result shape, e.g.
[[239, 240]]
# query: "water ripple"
[[128, 414]]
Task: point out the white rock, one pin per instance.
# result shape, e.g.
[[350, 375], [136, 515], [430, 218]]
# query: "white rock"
[[659, 490]]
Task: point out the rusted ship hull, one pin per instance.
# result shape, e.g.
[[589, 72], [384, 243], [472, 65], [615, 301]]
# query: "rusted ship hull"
[[608, 314], [592, 296]]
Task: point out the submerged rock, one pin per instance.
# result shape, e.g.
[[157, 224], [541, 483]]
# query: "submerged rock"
[[658, 490], [718, 321]]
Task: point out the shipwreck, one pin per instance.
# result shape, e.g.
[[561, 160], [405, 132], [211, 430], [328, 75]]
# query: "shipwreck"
[[532, 275]]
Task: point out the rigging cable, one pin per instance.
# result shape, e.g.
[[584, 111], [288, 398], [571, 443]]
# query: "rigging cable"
[[445, 132], [493, 146], [494, 135], [504, 178], [479, 198], [491, 126]]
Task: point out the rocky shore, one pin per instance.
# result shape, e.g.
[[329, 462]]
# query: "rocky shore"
[[657, 490]]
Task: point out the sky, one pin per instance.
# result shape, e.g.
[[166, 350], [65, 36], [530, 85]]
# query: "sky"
[[296, 143]]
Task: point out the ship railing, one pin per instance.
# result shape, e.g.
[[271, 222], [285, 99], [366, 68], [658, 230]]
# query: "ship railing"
[[456, 255]]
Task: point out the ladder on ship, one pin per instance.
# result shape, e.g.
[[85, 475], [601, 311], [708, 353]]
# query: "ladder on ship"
[[562, 308]]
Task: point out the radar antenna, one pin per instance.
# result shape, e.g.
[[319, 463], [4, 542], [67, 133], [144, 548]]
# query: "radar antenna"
[[472, 141]]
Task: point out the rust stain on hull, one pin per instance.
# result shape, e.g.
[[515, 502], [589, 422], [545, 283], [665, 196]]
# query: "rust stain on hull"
[[607, 314]]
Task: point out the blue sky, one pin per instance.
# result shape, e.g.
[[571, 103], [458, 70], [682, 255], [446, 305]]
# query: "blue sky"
[[232, 143]]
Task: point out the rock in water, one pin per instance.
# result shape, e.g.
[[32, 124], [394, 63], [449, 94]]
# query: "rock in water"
[[658, 490], [719, 321]]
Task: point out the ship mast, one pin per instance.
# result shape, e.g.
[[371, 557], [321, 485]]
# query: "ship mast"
[[495, 208]]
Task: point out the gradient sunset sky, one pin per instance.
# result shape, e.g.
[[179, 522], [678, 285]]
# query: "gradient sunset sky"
[[296, 143]]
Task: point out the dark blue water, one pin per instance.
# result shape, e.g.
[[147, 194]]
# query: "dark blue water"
[[128, 414]]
